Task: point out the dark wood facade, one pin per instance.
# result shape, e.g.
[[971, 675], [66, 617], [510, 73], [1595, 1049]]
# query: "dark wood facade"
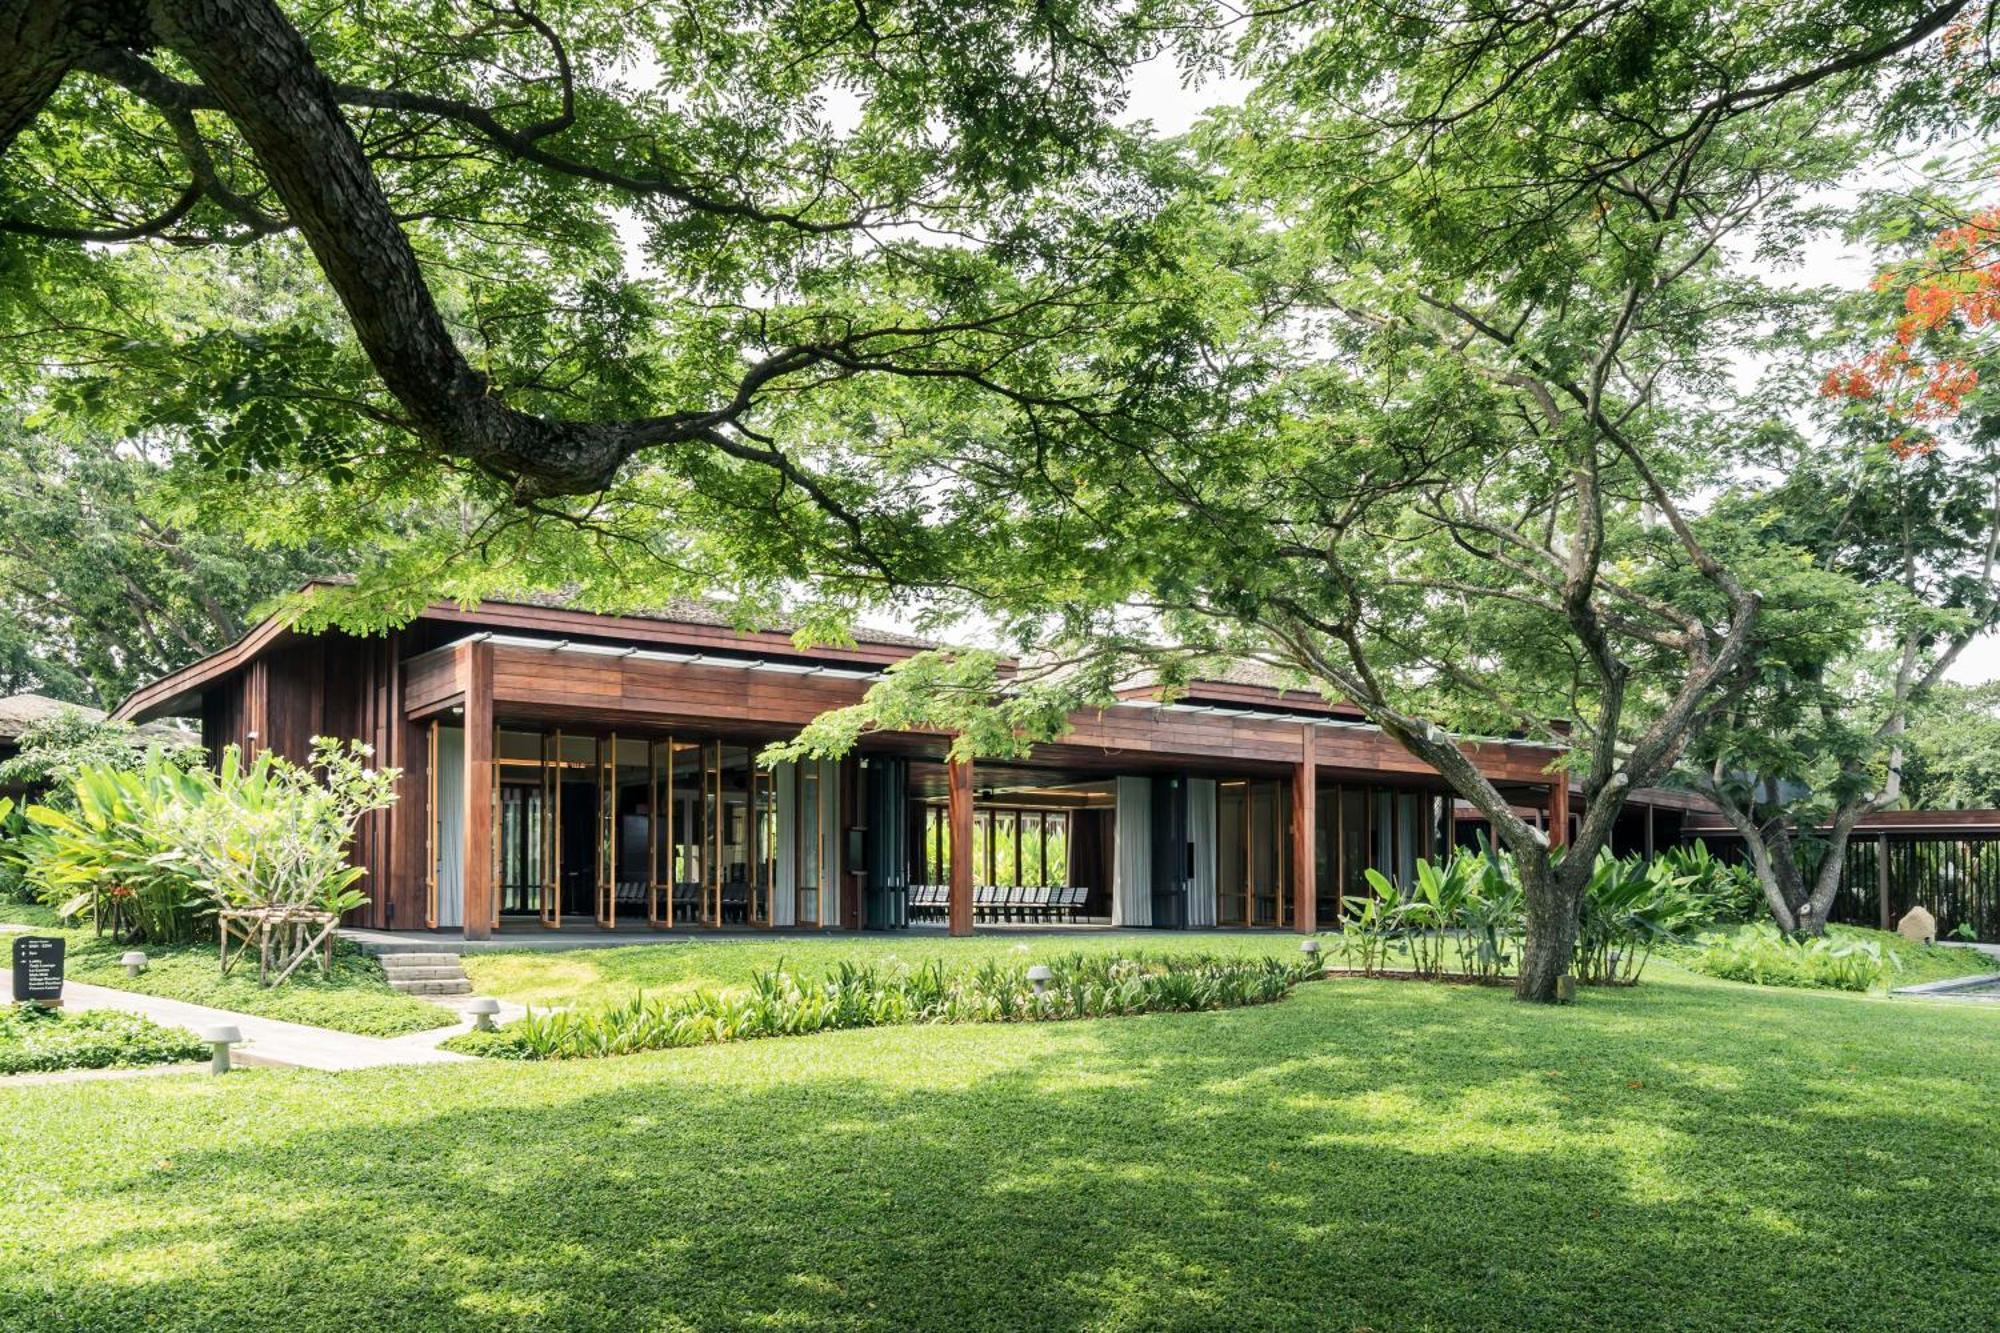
[[551, 668]]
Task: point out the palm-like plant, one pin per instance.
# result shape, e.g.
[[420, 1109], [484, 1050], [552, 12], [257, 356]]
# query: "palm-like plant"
[[114, 854]]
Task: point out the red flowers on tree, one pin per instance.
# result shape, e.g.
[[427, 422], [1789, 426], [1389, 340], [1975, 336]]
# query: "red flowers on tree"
[[1951, 293]]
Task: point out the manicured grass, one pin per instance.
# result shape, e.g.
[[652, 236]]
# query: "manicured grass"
[[355, 997], [1917, 963], [1688, 1154], [596, 976], [34, 1040]]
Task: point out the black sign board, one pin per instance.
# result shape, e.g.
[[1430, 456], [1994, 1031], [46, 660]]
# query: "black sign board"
[[38, 969]]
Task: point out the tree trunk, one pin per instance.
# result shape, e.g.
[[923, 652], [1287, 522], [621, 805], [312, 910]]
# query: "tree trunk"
[[1550, 946]]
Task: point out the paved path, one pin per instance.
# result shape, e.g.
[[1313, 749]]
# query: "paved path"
[[1990, 950], [271, 1041]]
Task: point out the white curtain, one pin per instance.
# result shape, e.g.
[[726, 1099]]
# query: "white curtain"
[[1132, 866], [785, 884], [450, 824], [1201, 832], [831, 878]]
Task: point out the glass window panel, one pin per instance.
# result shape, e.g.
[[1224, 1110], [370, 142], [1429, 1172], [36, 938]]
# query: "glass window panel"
[[1231, 864], [1408, 820], [631, 777], [1385, 829], [1006, 845], [1264, 851], [1055, 847], [1353, 841]]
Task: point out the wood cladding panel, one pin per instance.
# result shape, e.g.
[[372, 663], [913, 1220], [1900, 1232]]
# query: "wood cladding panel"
[[430, 681]]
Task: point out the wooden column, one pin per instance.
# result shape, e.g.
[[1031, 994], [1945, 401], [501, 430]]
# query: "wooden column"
[[958, 815], [1305, 836], [476, 674], [1559, 811]]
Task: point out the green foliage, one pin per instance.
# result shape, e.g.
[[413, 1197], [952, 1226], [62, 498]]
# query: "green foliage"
[[1471, 909], [153, 852], [1710, 889], [38, 1040], [1954, 750], [51, 755], [779, 1004], [1765, 957], [114, 853], [598, 978], [1465, 920], [54, 751], [273, 834], [108, 576], [14, 884]]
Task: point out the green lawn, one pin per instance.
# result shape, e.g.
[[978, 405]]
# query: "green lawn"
[[1690, 1154], [355, 997], [590, 976]]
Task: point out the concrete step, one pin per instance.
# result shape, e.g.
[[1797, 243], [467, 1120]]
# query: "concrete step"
[[418, 959], [452, 973], [458, 987]]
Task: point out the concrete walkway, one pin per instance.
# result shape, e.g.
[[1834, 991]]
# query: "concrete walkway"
[[271, 1041]]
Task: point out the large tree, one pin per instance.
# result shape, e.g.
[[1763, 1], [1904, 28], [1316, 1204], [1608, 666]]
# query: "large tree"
[[1491, 271], [570, 243]]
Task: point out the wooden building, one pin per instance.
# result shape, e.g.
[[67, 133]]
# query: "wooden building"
[[564, 769]]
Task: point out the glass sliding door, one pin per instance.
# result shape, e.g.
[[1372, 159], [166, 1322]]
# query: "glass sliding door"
[[742, 853], [677, 829], [686, 867], [1253, 853], [763, 842], [626, 836]]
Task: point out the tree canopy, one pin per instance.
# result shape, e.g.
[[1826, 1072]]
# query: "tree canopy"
[[108, 577], [1410, 375]]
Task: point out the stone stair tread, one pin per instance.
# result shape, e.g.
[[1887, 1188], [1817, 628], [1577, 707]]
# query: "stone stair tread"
[[459, 987], [425, 973]]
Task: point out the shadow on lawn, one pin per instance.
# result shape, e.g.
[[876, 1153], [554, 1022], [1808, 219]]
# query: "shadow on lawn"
[[1362, 1155]]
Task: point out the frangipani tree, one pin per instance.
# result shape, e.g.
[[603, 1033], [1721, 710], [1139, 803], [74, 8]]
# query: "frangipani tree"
[[268, 841]]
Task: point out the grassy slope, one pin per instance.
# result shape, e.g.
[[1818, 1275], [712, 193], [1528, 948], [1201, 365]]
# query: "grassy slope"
[[595, 975], [1918, 962], [354, 998], [1691, 1154]]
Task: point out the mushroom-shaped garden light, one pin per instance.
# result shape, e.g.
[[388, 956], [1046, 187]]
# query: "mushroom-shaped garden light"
[[220, 1038], [482, 1008]]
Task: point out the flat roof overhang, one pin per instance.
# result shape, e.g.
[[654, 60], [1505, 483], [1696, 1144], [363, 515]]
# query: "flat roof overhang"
[[592, 686]]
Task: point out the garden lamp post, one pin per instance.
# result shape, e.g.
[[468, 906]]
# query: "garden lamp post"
[[482, 1008], [220, 1038], [1038, 977], [135, 963]]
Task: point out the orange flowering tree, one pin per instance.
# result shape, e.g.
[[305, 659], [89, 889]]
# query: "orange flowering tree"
[[1919, 379], [1900, 493]]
